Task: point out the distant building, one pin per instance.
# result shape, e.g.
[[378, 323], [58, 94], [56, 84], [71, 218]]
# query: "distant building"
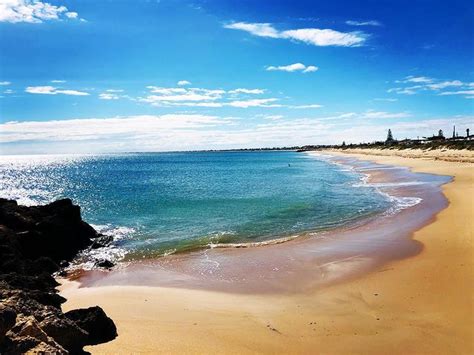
[[408, 141], [439, 137]]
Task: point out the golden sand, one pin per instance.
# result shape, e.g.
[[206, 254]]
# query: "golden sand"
[[421, 305]]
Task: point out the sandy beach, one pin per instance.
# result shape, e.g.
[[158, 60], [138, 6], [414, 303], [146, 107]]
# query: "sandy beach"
[[422, 304]]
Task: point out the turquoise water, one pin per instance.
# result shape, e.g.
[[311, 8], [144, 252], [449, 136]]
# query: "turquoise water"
[[158, 203]]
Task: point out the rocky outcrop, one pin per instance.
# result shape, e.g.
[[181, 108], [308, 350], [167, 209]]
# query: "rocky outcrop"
[[34, 241], [95, 322]]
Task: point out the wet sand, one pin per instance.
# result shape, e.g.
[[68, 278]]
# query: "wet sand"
[[416, 296]]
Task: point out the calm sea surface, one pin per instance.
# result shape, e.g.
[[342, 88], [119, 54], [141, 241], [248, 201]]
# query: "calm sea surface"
[[159, 203]]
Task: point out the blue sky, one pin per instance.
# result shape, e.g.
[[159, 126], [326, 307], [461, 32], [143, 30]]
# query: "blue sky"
[[106, 76]]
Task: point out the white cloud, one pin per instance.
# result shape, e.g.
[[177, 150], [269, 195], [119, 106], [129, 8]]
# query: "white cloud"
[[5, 83], [213, 98], [326, 37], [363, 23], [114, 90], [382, 114], [417, 79], [71, 14], [310, 69], [58, 81], [32, 11], [193, 131], [199, 97], [305, 106], [257, 29], [460, 92], [253, 103], [313, 36], [51, 90], [270, 117], [195, 104], [293, 67], [247, 91], [178, 94], [445, 84], [108, 96], [386, 99], [183, 83], [96, 128], [426, 84], [8, 91]]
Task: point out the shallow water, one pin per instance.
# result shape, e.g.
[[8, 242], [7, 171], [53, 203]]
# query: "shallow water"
[[315, 259], [160, 203]]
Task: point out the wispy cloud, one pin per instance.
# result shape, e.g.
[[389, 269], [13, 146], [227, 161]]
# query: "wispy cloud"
[[460, 92], [247, 91], [427, 84], [305, 106], [270, 117], [253, 103], [417, 79], [293, 68], [108, 96], [312, 36], [58, 81], [168, 95], [183, 83], [381, 114], [257, 29], [363, 23], [5, 83], [385, 99], [72, 14], [211, 98], [32, 11], [445, 84], [51, 90]]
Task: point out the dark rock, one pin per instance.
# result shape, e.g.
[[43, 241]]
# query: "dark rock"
[[65, 332], [101, 241], [34, 243], [7, 320], [104, 263], [64, 263], [55, 230], [94, 320], [46, 264]]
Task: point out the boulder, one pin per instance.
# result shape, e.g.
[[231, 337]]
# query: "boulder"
[[65, 332], [104, 263], [95, 322], [7, 320]]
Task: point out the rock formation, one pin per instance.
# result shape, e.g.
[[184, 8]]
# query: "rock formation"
[[34, 241]]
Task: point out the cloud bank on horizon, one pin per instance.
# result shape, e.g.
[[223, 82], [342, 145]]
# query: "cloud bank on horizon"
[[151, 76]]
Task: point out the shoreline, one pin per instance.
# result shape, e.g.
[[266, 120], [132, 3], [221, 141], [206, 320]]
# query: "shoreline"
[[333, 318], [310, 261]]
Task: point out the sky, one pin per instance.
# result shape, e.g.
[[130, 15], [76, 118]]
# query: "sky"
[[95, 76]]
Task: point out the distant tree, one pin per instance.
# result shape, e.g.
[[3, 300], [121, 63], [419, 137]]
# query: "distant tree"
[[389, 137], [344, 143], [440, 133]]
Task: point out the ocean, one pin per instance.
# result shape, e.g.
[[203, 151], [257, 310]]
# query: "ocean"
[[156, 204]]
